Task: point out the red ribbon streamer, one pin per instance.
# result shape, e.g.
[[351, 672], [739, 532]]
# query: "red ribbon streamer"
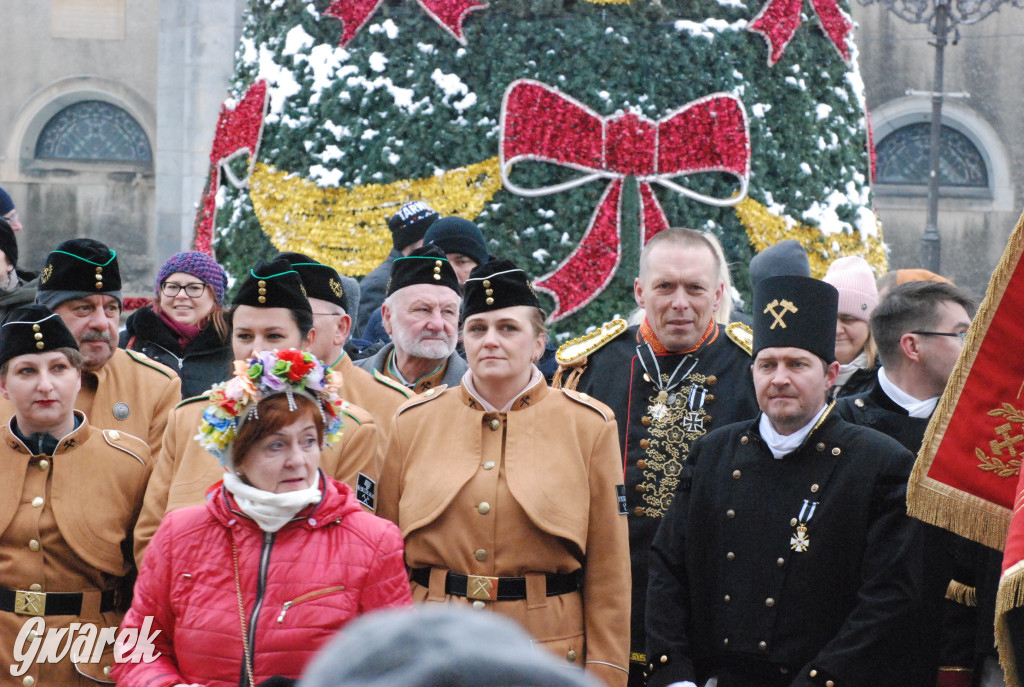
[[449, 14], [778, 21], [539, 123], [238, 133]]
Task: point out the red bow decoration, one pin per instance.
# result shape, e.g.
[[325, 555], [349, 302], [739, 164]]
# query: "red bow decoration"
[[449, 14], [540, 123], [238, 133], [778, 20]]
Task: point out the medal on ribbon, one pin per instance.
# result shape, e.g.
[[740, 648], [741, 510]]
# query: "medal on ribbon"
[[800, 540], [666, 395]]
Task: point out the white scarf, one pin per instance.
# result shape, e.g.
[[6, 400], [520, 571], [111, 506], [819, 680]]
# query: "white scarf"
[[846, 371], [915, 407], [781, 444], [467, 379], [270, 511]]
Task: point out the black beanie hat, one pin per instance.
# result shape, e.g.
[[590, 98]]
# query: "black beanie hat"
[[798, 312], [323, 281], [410, 223], [273, 285], [458, 235], [425, 265], [33, 329], [8, 244], [495, 285]]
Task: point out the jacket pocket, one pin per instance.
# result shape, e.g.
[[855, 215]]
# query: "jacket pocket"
[[308, 596], [571, 648]]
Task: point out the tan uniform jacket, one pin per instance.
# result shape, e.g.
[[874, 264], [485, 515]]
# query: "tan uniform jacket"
[[518, 494], [377, 398], [131, 393], [184, 470], [66, 521]]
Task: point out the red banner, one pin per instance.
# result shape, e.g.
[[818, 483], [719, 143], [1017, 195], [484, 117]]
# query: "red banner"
[[538, 123]]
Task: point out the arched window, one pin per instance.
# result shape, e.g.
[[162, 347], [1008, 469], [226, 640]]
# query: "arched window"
[[93, 131], [902, 158]]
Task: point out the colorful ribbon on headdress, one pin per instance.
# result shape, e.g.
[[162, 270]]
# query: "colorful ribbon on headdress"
[[778, 21], [539, 123], [449, 14]]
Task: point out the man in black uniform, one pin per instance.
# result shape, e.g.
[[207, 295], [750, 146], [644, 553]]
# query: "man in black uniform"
[[669, 381], [788, 558], [918, 328]]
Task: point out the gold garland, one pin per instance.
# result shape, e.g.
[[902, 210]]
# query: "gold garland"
[[347, 228], [766, 229]]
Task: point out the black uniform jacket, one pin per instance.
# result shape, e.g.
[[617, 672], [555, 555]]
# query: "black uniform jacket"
[[793, 571], [656, 440]]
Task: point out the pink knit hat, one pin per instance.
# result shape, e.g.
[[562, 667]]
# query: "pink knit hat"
[[855, 282]]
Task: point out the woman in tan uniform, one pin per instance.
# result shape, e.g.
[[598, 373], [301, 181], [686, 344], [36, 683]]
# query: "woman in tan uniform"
[[72, 493], [505, 490]]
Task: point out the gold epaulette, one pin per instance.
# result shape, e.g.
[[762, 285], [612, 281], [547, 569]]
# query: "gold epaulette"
[[575, 351], [741, 335]]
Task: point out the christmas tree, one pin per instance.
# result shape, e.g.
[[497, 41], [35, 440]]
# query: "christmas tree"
[[569, 130]]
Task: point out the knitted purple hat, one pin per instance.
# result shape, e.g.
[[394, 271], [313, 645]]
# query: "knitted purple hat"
[[199, 265]]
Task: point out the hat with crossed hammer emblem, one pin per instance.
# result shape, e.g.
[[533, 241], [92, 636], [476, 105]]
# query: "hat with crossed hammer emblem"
[[797, 312], [323, 281]]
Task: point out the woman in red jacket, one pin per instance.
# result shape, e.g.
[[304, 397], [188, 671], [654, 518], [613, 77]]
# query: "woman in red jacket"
[[251, 585]]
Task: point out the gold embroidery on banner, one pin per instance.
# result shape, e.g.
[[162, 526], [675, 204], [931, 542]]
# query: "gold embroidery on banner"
[[671, 435], [1004, 445]]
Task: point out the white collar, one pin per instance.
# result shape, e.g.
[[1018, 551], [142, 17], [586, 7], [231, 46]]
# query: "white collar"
[[915, 407], [783, 444]]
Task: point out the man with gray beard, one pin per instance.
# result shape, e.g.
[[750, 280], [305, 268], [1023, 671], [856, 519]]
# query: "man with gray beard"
[[421, 314]]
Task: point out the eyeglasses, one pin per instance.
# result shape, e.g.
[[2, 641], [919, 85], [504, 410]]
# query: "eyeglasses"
[[193, 290], [960, 335]]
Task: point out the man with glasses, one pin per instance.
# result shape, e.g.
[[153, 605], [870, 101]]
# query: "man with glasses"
[[919, 328], [8, 211]]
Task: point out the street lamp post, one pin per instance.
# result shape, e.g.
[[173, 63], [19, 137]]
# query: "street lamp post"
[[941, 17]]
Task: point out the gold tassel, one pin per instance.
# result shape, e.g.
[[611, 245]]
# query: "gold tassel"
[[962, 594]]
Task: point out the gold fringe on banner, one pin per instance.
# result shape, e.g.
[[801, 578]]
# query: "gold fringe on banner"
[[931, 500], [1009, 597], [960, 593]]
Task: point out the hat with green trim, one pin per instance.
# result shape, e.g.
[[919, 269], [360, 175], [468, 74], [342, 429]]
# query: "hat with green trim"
[[79, 268], [273, 285], [425, 265]]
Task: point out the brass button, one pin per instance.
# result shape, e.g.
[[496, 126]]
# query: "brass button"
[[663, 659], [645, 443], [585, 397], [829, 683], [645, 421], [744, 440], [769, 602], [480, 554], [814, 488], [40, 345], [489, 292], [38, 336], [479, 605], [35, 587], [489, 301], [642, 464], [647, 377], [495, 424], [781, 562], [106, 670], [489, 465], [43, 465], [487, 283], [725, 641], [712, 380], [428, 392], [762, 645], [858, 402], [484, 508], [640, 487], [571, 656], [261, 283], [35, 327], [33, 544], [709, 398], [820, 446], [813, 673], [262, 299], [836, 451], [736, 474], [730, 556], [28, 681], [728, 598], [730, 514], [638, 511], [115, 435], [37, 502], [792, 523], [707, 418]]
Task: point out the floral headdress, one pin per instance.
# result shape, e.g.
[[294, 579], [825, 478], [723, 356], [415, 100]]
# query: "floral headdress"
[[234, 402]]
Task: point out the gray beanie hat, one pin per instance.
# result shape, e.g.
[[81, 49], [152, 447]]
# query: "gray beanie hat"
[[437, 647], [785, 258]]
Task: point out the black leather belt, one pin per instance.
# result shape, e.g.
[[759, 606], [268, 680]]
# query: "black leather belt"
[[51, 603], [498, 588]]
